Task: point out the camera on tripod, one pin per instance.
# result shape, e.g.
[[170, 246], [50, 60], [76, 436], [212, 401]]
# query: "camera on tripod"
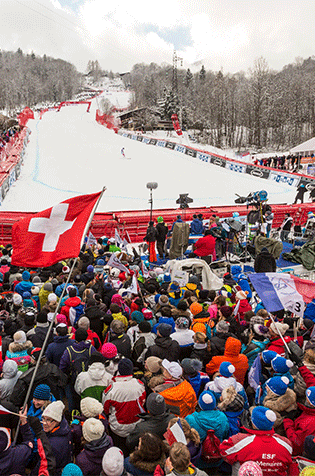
[[253, 198]]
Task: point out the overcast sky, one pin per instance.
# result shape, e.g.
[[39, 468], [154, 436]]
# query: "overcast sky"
[[228, 34]]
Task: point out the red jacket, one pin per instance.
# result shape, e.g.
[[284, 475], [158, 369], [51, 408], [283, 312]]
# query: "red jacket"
[[277, 345], [300, 428], [270, 450], [205, 246]]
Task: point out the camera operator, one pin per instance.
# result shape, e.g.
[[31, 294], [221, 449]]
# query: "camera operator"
[[220, 235]]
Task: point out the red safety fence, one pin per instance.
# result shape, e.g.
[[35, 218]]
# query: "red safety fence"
[[74, 103], [107, 120], [24, 116], [133, 224]]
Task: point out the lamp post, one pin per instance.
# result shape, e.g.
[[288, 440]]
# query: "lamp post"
[[151, 186]]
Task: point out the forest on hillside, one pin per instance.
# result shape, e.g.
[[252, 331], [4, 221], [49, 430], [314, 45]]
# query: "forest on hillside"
[[261, 109], [28, 80]]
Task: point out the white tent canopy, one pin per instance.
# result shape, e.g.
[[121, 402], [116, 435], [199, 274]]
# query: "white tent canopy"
[[305, 149]]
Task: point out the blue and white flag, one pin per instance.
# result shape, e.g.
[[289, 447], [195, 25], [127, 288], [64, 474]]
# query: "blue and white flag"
[[283, 291], [91, 240], [115, 263]]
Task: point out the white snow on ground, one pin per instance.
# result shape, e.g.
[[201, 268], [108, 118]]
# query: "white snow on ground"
[[70, 154]]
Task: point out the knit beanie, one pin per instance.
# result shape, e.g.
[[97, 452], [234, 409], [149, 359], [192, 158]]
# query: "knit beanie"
[[223, 326], [71, 470], [148, 315], [90, 269], [250, 468], [26, 295], [191, 366], [182, 323], [5, 439], [81, 335], [281, 365], [137, 316], [207, 400], [52, 297], [278, 385], [26, 276], [84, 323], [267, 356], [41, 317], [113, 462], [310, 395], [263, 418], [145, 326], [90, 407], [48, 287], [19, 337], [36, 280], [109, 350], [42, 392], [92, 429], [153, 364], [167, 278], [227, 369], [61, 319], [125, 367], [54, 410], [165, 329], [279, 328], [156, 404], [117, 327], [17, 299], [226, 311], [195, 308]]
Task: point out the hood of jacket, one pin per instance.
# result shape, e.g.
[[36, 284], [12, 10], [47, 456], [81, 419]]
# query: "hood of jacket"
[[9, 369], [148, 466], [14, 347], [164, 342], [59, 339], [220, 383], [232, 347], [95, 449], [96, 371], [73, 302], [201, 316]]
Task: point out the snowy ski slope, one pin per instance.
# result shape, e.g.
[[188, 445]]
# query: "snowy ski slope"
[[70, 154]]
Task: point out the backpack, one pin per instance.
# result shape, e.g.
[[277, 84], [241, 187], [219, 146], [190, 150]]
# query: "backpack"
[[211, 448], [78, 361]]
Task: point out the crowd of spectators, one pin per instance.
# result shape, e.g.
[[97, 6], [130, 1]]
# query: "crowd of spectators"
[[285, 162], [161, 379]]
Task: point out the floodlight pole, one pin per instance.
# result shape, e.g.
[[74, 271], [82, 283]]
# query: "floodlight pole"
[[151, 186]]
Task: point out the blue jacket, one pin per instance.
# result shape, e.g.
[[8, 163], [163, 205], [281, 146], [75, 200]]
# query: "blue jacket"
[[56, 348], [61, 442], [234, 422], [198, 382], [196, 227], [209, 420], [241, 279], [23, 286], [309, 312]]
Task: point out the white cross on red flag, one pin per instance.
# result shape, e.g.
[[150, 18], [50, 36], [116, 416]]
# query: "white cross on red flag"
[[53, 234]]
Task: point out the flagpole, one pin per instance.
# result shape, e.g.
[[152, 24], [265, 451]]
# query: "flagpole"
[[54, 317], [43, 347]]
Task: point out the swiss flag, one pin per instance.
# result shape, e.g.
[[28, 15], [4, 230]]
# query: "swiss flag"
[[53, 234]]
